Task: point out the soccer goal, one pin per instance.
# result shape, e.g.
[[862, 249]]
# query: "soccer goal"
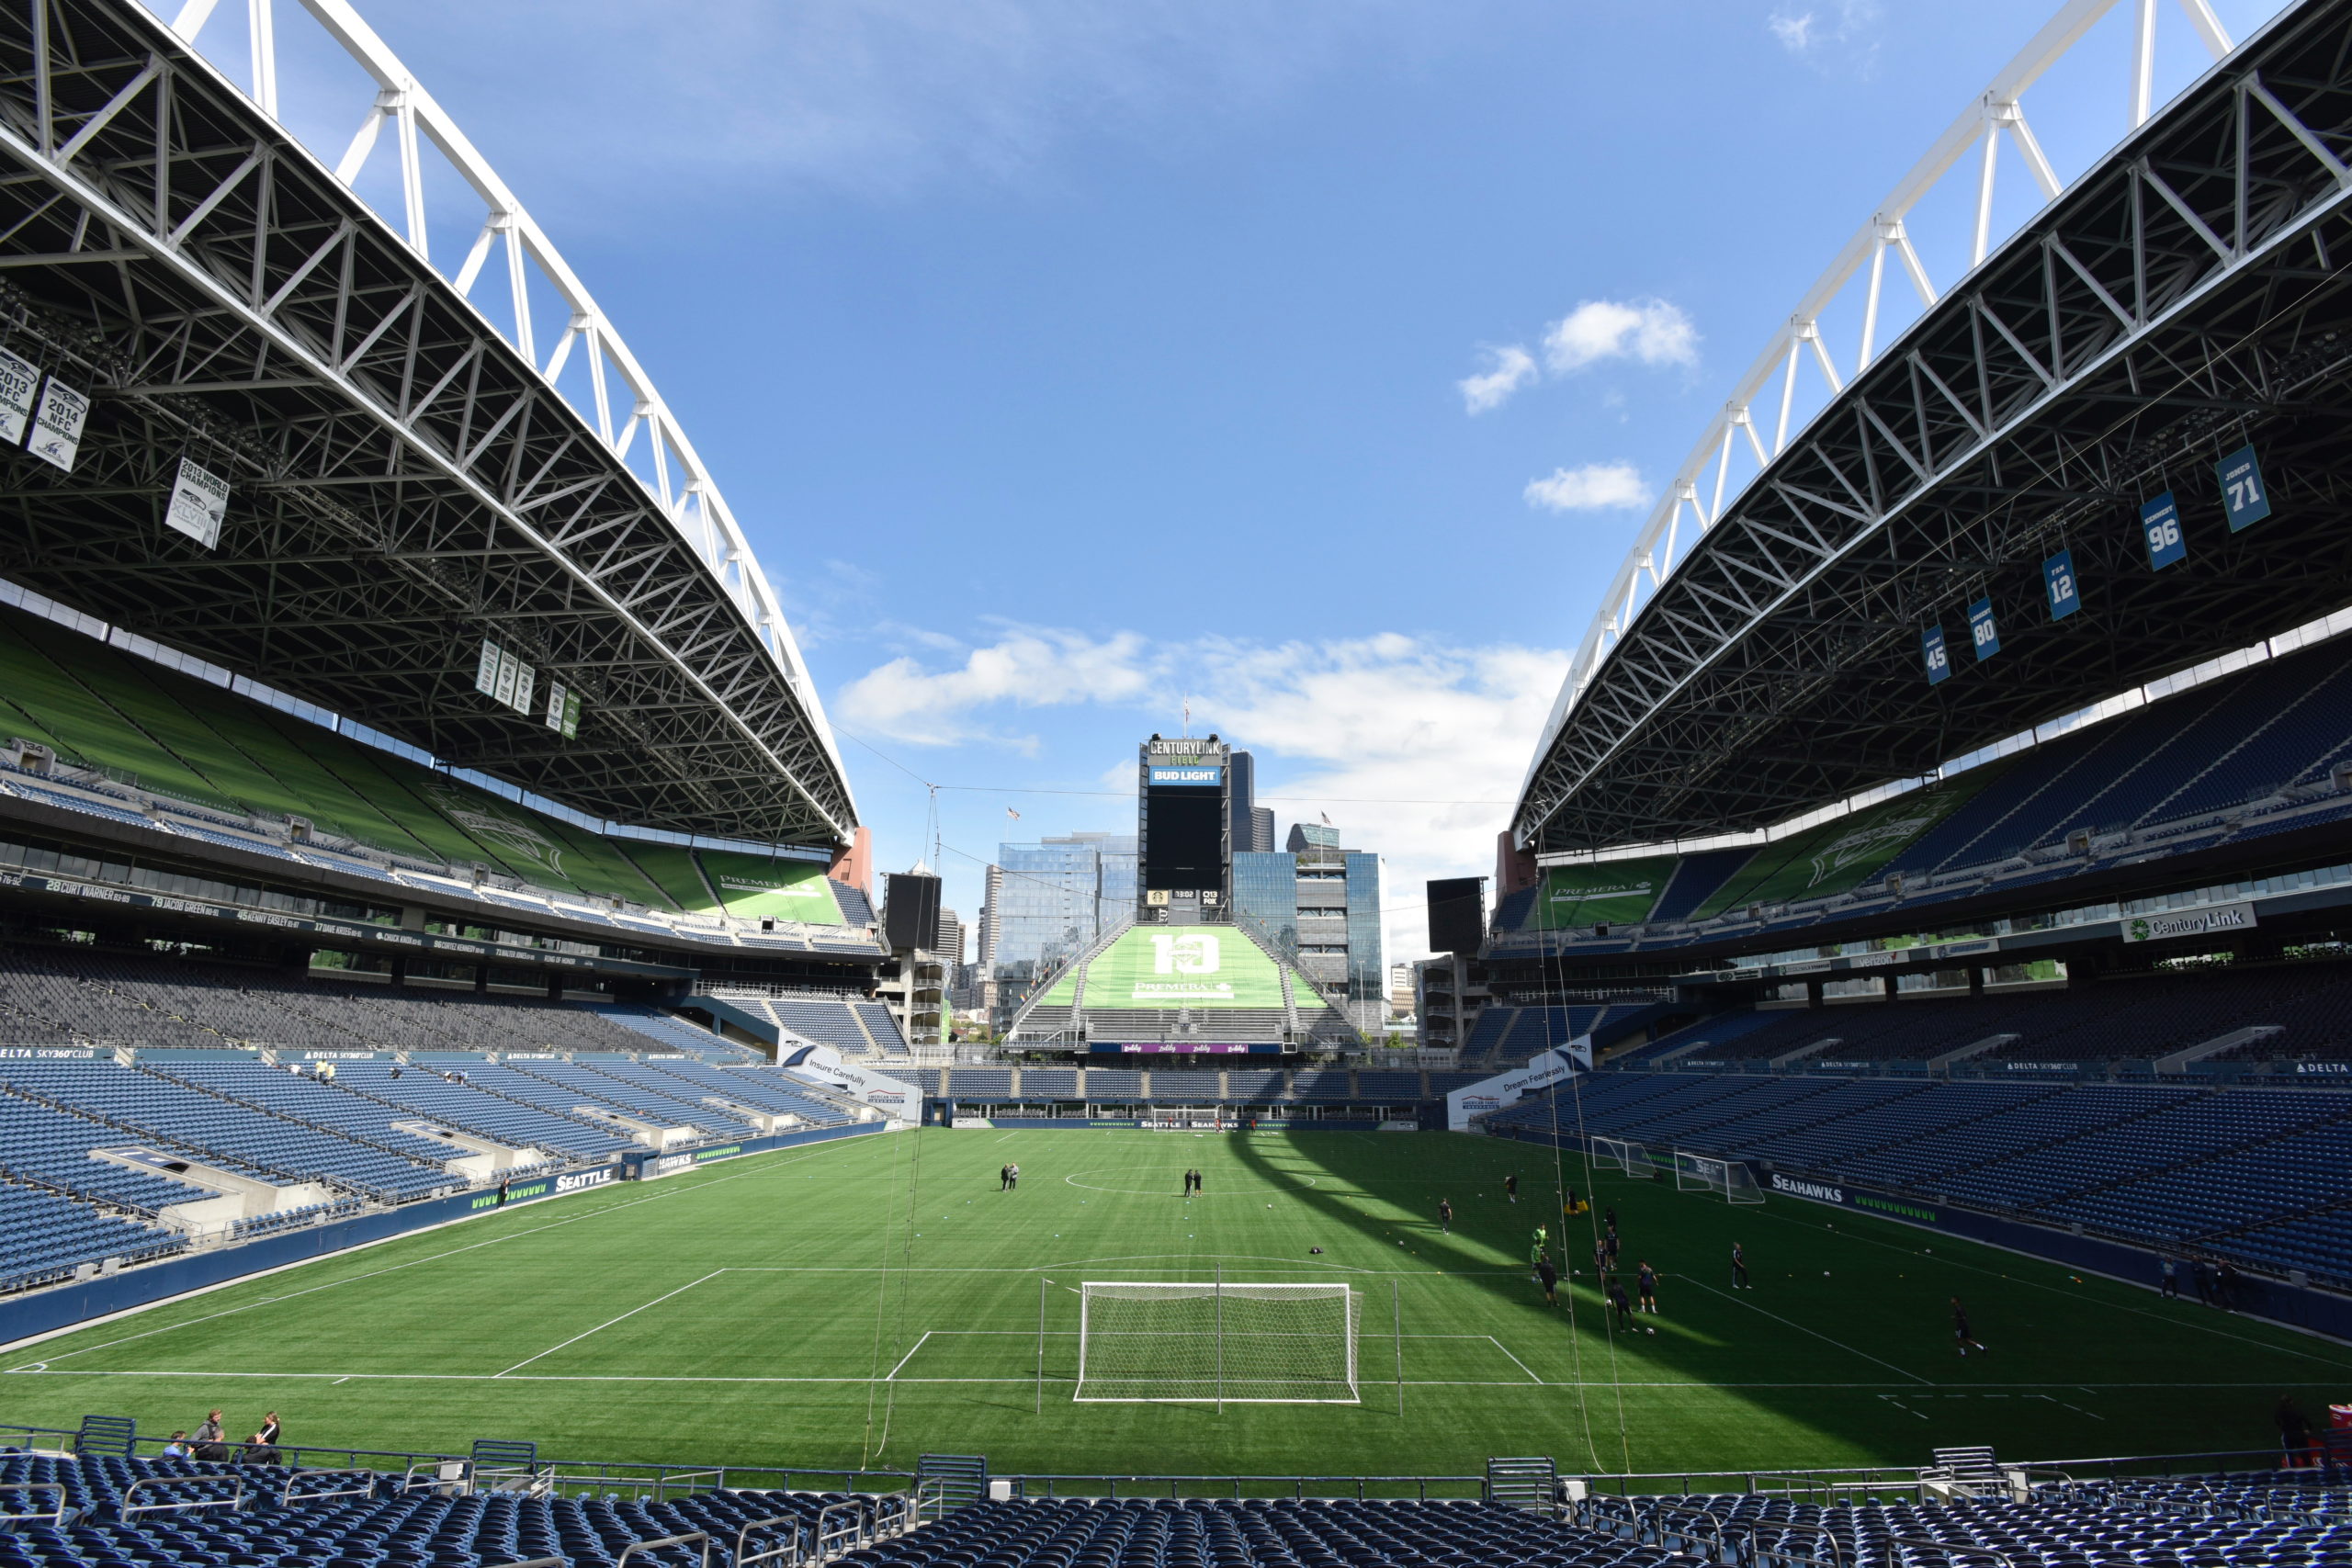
[[1196, 1343], [1705, 1173], [1621, 1154]]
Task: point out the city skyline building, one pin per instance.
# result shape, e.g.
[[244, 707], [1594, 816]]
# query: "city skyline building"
[[1047, 902], [1318, 904]]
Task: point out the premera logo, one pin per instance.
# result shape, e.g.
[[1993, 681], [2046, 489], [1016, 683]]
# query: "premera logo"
[[1819, 1191]]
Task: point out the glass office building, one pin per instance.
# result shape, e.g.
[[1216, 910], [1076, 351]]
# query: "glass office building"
[[1049, 901], [1319, 905]]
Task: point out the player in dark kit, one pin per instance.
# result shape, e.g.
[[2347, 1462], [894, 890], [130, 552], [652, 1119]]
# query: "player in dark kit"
[[1645, 1284], [1550, 1276], [1511, 1188], [1445, 1215], [1740, 1268], [1960, 1328]]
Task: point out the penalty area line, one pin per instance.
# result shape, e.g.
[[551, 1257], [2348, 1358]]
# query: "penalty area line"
[[609, 1321]]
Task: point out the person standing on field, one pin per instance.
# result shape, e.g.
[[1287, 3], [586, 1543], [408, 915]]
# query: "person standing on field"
[[1740, 1268], [1511, 1189], [1445, 1216], [1550, 1279]]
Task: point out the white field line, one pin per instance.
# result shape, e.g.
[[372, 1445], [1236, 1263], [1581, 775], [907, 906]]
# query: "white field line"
[[1801, 1328], [1698, 1383], [909, 1356], [1514, 1361], [609, 1321]]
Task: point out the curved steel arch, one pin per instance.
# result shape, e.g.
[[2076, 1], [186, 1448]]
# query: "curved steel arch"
[[1994, 117], [409, 476], [1779, 636]]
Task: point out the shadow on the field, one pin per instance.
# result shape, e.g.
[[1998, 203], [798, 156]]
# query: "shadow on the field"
[[1376, 1190]]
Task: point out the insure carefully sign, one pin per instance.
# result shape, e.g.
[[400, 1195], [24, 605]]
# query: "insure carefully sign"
[[19, 378], [57, 426], [2160, 525], [2244, 500], [199, 503], [1981, 630], [1931, 648], [2058, 578]]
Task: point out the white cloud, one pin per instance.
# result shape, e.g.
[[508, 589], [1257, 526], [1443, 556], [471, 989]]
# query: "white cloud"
[[1843, 28], [1650, 330], [1026, 669], [1415, 748], [1596, 487], [1507, 370]]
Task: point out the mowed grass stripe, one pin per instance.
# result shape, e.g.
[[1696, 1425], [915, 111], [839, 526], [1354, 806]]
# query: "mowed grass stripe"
[[752, 1314]]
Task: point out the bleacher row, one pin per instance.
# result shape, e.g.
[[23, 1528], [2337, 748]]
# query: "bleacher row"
[[384, 1097], [1237, 1086], [356, 1520], [2260, 1176], [853, 1026], [1506, 1036], [2234, 759], [2306, 1009], [148, 745], [59, 996], [328, 1145]]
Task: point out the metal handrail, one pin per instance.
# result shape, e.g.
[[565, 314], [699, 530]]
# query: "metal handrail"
[[656, 1544], [741, 1536], [667, 1479], [236, 1499], [58, 1513], [1756, 1553], [464, 1478], [287, 1496], [857, 1532], [1951, 1550]]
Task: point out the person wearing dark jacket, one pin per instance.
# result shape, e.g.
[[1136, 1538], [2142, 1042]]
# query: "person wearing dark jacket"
[[206, 1441]]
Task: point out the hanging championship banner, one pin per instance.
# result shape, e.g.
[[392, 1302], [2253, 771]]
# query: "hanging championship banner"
[[57, 427], [1982, 631], [1931, 648], [19, 378], [2244, 500], [563, 710], [199, 503], [2160, 524], [2058, 578], [486, 671]]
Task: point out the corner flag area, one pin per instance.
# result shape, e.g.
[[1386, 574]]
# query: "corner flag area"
[[863, 1303]]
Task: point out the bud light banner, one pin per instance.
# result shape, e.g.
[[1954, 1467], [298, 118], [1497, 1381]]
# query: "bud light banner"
[[1188, 778]]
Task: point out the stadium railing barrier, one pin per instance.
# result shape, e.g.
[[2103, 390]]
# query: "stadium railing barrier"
[[892, 1501]]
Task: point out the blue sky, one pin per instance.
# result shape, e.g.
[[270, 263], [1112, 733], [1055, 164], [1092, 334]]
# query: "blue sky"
[[1311, 359]]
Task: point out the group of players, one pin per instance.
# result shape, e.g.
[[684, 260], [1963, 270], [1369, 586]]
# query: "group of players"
[[1607, 1249]]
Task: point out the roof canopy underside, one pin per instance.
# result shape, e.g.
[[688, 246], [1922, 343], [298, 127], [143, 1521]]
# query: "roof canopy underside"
[[2181, 301], [405, 485]]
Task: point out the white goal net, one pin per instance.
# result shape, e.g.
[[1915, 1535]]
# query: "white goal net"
[[1696, 1173], [1198, 1342], [1619, 1154]]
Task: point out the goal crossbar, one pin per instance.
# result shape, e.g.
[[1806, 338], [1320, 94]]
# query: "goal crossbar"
[[1710, 1173], [1621, 1154], [1190, 1342]]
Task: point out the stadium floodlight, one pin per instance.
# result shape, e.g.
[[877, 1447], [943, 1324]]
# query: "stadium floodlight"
[[1695, 1173], [1196, 1342], [1622, 1154]]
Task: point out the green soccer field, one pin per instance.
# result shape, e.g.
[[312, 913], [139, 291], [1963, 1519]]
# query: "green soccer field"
[[864, 1301]]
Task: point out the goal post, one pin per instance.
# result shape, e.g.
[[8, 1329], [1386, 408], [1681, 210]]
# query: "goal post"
[[1707, 1173], [1197, 1342], [1622, 1154]]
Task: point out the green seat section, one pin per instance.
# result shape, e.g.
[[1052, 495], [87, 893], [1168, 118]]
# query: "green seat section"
[[82, 726], [1616, 893], [671, 869], [1840, 855], [1157, 967], [756, 887]]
